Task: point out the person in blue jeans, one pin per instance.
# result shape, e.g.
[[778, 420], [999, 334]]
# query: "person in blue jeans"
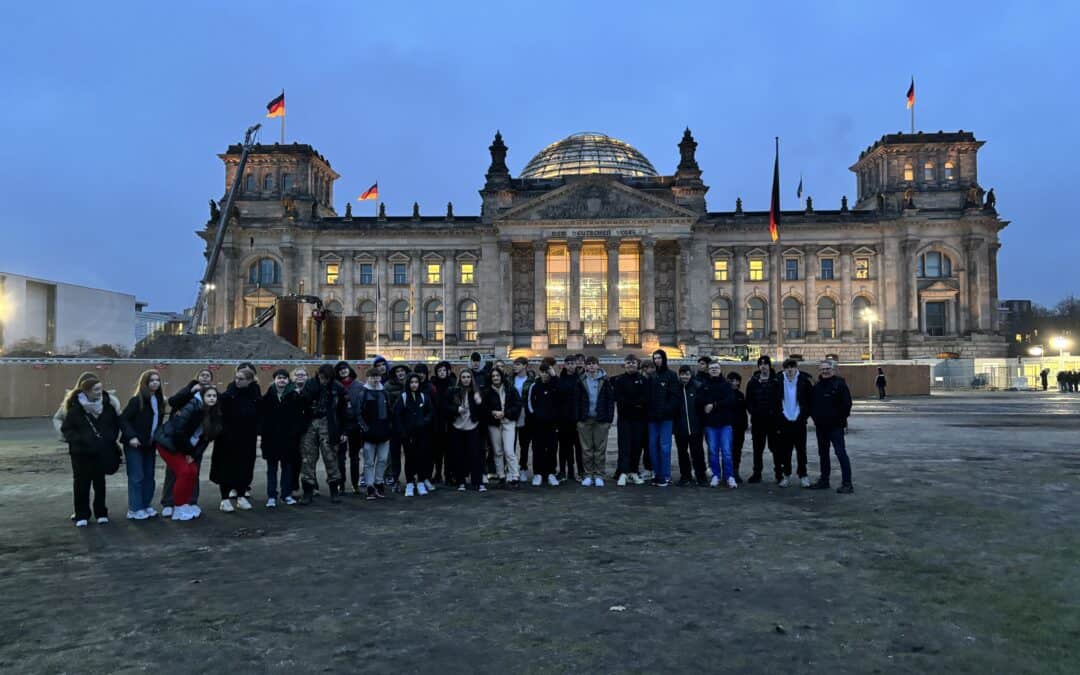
[[141, 417], [716, 409], [663, 402], [830, 409]]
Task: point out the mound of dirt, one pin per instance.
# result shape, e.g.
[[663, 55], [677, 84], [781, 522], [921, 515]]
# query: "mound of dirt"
[[243, 343]]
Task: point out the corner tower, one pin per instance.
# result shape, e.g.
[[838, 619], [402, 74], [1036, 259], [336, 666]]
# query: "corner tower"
[[282, 181]]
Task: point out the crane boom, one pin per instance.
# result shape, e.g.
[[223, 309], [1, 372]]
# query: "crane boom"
[[198, 315]]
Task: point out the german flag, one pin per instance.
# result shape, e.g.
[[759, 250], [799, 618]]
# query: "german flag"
[[774, 206], [370, 193], [911, 94], [276, 107]]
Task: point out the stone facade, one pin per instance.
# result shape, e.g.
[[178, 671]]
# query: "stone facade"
[[539, 269]]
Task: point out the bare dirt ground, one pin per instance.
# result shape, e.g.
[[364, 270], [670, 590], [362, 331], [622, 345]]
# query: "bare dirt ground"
[[959, 552]]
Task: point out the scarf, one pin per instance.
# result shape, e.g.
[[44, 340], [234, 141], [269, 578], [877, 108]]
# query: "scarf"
[[92, 408]]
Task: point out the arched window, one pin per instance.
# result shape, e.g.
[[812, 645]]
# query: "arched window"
[[934, 265], [268, 181], [721, 319], [366, 310], [264, 272], [433, 321], [792, 318], [249, 183], [334, 307], [826, 318], [950, 171], [399, 321], [467, 319], [860, 310], [286, 182], [928, 172], [757, 313], [909, 172]]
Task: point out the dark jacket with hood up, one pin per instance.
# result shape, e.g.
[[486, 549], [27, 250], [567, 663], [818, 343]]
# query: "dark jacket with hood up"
[[663, 391]]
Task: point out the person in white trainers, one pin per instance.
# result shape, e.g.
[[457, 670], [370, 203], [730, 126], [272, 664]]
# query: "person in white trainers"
[[280, 425], [631, 391], [501, 410], [203, 378], [716, 405], [233, 462], [414, 413], [523, 380], [794, 396], [182, 440], [542, 410], [141, 417], [464, 408], [594, 403], [91, 428]]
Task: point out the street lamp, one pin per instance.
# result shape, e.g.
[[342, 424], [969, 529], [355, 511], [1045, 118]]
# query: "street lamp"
[[1035, 351], [869, 316], [1060, 342]]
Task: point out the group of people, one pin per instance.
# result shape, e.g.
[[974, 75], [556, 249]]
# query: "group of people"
[[472, 429], [1068, 380]]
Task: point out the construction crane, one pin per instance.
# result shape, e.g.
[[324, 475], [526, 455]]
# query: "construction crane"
[[198, 315]]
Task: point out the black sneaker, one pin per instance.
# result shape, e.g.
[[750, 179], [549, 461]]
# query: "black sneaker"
[[703, 482], [306, 499], [380, 490], [370, 493], [819, 485], [684, 482], [334, 499], [754, 478], [846, 489], [738, 479], [561, 476]]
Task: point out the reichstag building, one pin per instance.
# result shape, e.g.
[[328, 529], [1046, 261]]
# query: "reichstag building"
[[589, 248]]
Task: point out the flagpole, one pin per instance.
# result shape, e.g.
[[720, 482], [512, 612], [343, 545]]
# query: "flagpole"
[[445, 300], [776, 269], [283, 118]]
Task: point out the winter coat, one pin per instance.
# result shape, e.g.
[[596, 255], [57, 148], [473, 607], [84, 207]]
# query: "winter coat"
[[760, 397], [413, 414], [831, 403], [61, 412], [280, 422], [879, 381], [663, 392], [739, 423], [804, 389], [511, 407], [453, 401], [687, 422], [543, 407], [632, 394], [181, 398], [175, 435], [233, 461], [371, 412], [523, 395], [137, 420], [605, 400], [442, 390], [86, 435], [329, 401], [567, 385], [719, 393]]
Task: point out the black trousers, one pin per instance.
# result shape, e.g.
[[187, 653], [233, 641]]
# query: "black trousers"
[[393, 466], [441, 466], [352, 450], [632, 433], [543, 447], [569, 449], [468, 455], [86, 472], [789, 435], [525, 436], [417, 457], [738, 439], [762, 432], [691, 453], [881, 391]]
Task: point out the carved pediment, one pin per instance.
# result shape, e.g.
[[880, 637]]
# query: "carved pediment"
[[939, 290], [330, 258], [864, 251], [600, 198]]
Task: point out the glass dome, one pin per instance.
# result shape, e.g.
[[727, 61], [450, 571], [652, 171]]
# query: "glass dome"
[[588, 153]]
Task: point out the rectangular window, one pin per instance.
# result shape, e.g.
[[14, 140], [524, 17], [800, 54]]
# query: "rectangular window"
[[630, 293], [720, 270], [434, 273], [593, 293], [367, 274], [467, 273], [935, 318], [862, 268], [401, 276], [791, 269], [333, 270], [827, 269], [757, 270]]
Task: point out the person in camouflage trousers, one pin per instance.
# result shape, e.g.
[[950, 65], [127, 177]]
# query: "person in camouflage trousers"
[[326, 401]]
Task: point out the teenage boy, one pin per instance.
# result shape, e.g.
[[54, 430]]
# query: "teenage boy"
[[522, 380], [280, 424], [370, 408], [663, 398], [688, 431], [738, 424], [569, 441], [595, 404], [794, 394], [760, 404], [631, 403]]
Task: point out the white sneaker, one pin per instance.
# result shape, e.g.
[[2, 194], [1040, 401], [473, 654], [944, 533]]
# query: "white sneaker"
[[243, 503], [804, 481], [715, 481], [290, 501], [247, 493], [636, 479], [524, 477], [537, 480], [182, 513], [166, 512], [410, 490], [232, 494], [482, 488], [150, 512], [271, 503], [647, 475], [80, 523], [552, 480], [137, 515], [783, 482], [226, 506], [731, 482], [194, 510], [429, 485], [622, 480], [599, 482], [421, 489], [103, 521], [586, 481]]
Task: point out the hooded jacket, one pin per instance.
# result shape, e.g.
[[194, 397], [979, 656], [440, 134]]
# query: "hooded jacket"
[[632, 392], [567, 385], [760, 397], [510, 407], [175, 435], [687, 421], [605, 399], [413, 413], [663, 391], [372, 411], [543, 402], [86, 435], [719, 393], [329, 401]]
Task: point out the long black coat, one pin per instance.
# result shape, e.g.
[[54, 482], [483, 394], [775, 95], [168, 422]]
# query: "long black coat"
[[280, 423], [233, 461]]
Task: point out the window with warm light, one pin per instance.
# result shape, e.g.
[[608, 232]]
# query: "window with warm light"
[[862, 268], [757, 314], [720, 270], [333, 271], [434, 273], [467, 319], [594, 293], [399, 321], [862, 310], [721, 319], [433, 321], [558, 294], [467, 270], [757, 270], [826, 318], [630, 293], [950, 171], [909, 172]]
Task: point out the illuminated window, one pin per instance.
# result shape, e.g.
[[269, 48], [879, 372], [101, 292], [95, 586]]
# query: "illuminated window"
[[332, 272], [399, 321], [558, 294], [757, 270], [757, 326], [401, 276], [827, 269], [720, 270], [434, 273], [594, 293], [264, 272], [367, 273], [721, 319], [467, 313], [630, 294], [859, 307], [366, 310], [792, 310], [862, 268], [268, 181], [826, 318], [928, 171], [433, 321], [909, 172], [467, 273], [950, 171], [791, 269]]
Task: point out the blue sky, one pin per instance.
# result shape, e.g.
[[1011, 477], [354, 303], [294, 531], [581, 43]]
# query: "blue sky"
[[113, 113]]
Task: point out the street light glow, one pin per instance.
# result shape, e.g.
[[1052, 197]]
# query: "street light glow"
[[1036, 351], [1060, 342]]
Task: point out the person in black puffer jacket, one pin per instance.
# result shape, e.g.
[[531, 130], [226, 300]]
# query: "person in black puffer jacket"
[[542, 410], [569, 441], [371, 411], [442, 465], [760, 404], [144, 412], [663, 402], [414, 412], [91, 428], [203, 379], [716, 406], [830, 408], [232, 465], [688, 432], [739, 425], [632, 390], [181, 442]]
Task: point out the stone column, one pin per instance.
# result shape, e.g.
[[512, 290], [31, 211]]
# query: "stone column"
[[911, 283], [810, 269], [575, 339], [613, 339], [738, 301], [416, 299], [649, 340], [505, 292], [382, 285], [540, 336], [881, 303], [847, 325], [962, 299], [697, 270], [227, 290], [450, 315], [775, 294], [922, 316], [684, 329], [288, 264], [992, 282], [348, 282]]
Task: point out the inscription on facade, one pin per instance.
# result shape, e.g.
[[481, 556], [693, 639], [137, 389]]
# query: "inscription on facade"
[[597, 233]]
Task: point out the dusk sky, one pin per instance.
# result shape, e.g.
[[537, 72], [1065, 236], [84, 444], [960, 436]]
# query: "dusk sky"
[[113, 113]]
